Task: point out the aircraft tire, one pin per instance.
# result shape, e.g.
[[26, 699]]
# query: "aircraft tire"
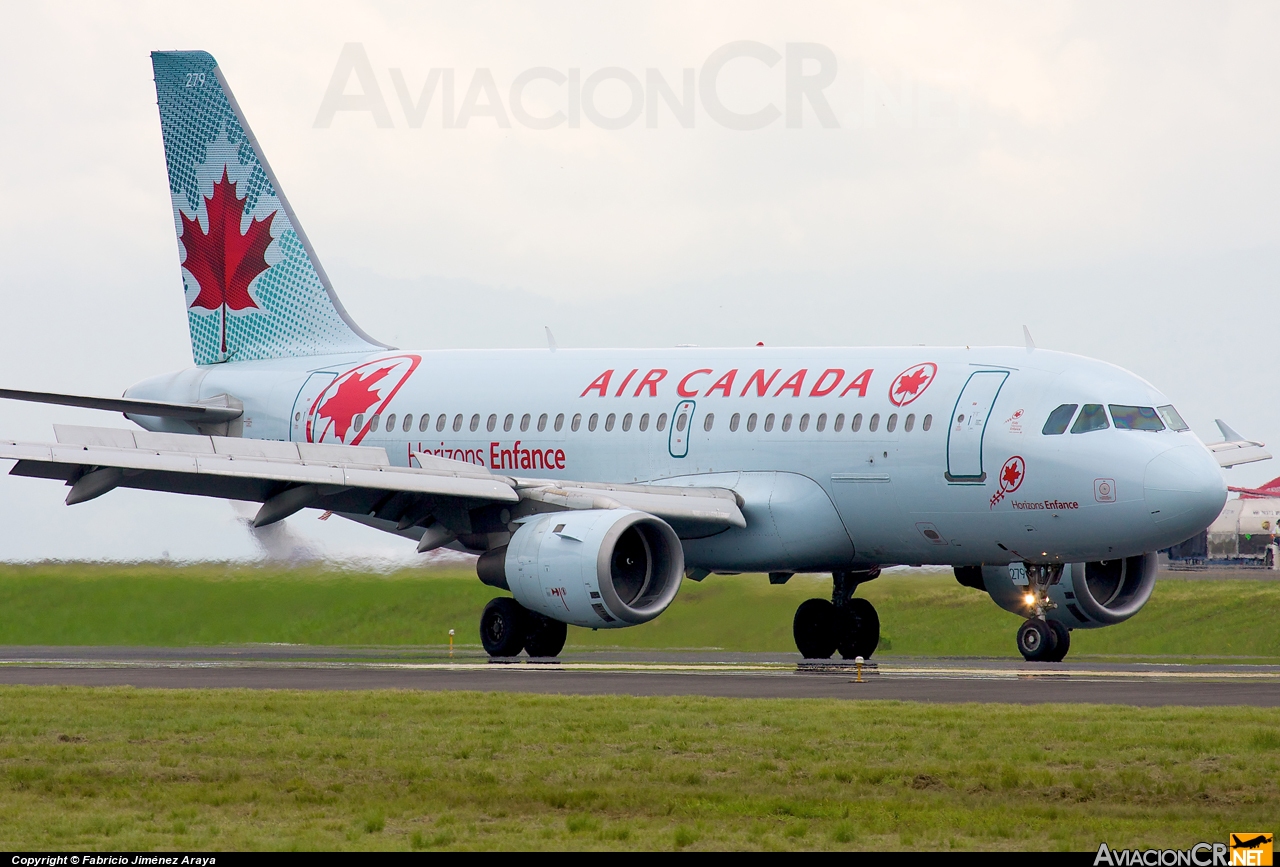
[[503, 627], [1036, 640], [815, 629], [543, 636], [859, 630], [1062, 636]]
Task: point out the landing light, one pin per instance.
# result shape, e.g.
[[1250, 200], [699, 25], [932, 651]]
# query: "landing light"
[[1030, 599]]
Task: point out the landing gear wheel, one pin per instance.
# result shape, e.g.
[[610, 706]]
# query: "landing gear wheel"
[[502, 627], [859, 629], [1063, 637], [1036, 640], [815, 629], [544, 636]]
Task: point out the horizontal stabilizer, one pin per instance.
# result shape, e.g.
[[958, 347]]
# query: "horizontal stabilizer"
[[194, 412]]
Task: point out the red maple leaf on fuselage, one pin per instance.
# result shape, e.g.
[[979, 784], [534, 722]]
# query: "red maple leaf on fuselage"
[[912, 382], [223, 261], [355, 395], [1011, 476]]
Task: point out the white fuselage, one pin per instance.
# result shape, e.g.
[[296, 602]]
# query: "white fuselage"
[[843, 457]]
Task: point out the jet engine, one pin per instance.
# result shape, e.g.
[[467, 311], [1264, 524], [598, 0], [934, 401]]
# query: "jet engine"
[[1088, 595], [599, 568]]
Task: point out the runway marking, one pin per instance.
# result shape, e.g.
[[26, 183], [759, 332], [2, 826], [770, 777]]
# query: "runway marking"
[[884, 671]]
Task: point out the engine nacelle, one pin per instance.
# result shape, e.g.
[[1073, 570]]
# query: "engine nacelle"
[[1090, 595], [603, 569]]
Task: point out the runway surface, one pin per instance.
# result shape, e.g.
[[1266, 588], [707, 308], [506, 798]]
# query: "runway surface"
[[739, 675]]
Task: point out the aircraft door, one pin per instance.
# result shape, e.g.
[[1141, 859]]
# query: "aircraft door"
[[303, 406], [681, 427], [969, 424]]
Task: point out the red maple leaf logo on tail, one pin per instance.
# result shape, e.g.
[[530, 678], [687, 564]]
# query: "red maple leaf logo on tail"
[[223, 261], [355, 395]]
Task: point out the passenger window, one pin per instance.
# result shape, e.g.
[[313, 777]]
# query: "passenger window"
[[709, 421], [626, 422], [821, 423], [927, 423], [644, 422], [424, 422], [662, 422], [375, 423], [768, 422], [524, 422], [1092, 417], [733, 421], [856, 424], [492, 423], [608, 421], [475, 422], [457, 422], [804, 422], [593, 421], [357, 423], [682, 421], [559, 421], [576, 423], [442, 421], [1059, 419], [1135, 418], [751, 423], [891, 423], [1171, 417], [786, 422], [508, 422], [875, 422], [909, 422], [839, 425], [408, 422], [542, 422]]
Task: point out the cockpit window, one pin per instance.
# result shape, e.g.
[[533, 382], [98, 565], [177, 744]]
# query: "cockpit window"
[[1171, 418], [1059, 419], [1092, 417], [1135, 418]]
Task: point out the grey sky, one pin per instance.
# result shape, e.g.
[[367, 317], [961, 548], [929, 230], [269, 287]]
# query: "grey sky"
[[1104, 173]]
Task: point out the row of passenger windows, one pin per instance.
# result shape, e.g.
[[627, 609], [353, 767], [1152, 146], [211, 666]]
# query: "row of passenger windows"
[[405, 423], [1094, 417]]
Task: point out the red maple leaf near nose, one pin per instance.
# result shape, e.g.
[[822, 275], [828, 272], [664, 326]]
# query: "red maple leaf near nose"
[[1011, 475], [912, 382], [355, 395], [223, 261]]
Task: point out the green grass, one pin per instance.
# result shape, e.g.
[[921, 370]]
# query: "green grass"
[[921, 613], [125, 769]]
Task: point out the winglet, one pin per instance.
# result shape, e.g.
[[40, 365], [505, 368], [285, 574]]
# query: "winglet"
[[1227, 433], [1026, 333], [1235, 449], [551, 340]]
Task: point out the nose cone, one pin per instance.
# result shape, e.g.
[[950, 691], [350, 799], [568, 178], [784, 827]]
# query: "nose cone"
[[1184, 490]]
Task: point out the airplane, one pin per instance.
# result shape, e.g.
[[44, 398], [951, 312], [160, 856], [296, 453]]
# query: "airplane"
[[592, 482], [1252, 842]]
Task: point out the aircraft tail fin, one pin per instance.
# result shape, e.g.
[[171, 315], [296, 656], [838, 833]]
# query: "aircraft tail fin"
[[253, 285]]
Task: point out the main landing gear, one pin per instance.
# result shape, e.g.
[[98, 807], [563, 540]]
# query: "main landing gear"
[[507, 627], [846, 623], [1041, 639]]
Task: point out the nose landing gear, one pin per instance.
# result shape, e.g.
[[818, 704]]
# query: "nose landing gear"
[[1041, 639], [847, 624]]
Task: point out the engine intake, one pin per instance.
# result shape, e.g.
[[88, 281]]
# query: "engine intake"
[[1088, 596], [603, 569]]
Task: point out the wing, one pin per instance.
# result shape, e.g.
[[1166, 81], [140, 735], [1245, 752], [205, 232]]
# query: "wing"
[[436, 502], [1235, 449]]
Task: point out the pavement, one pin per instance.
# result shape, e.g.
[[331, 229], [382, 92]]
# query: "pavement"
[[1141, 682]]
